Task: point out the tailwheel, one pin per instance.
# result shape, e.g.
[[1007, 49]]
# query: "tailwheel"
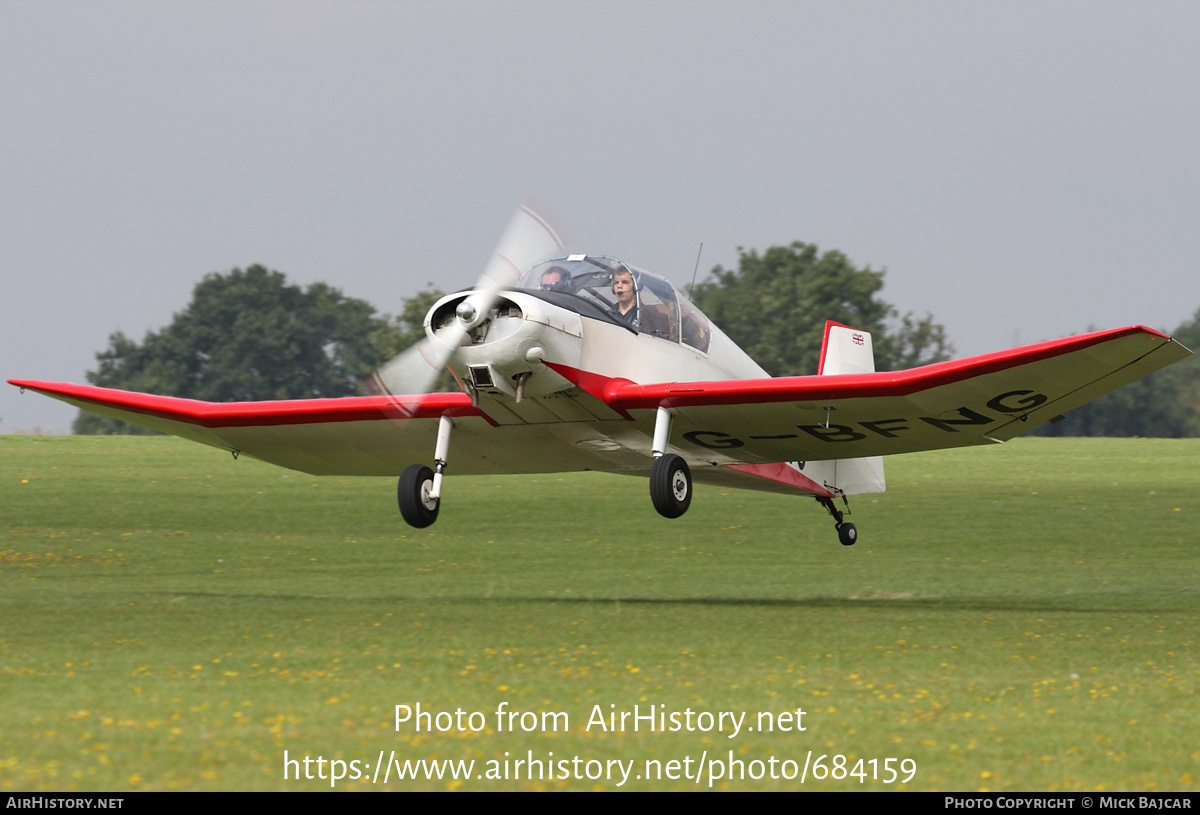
[[847, 532], [418, 507], [670, 485]]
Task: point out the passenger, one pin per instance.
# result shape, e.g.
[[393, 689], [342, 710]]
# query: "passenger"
[[554, 279], [649, 320], [626, 309]]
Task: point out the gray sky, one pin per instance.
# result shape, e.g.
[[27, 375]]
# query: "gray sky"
[[1022, 170]]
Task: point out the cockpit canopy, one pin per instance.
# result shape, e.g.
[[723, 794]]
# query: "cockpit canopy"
[[661, 310]]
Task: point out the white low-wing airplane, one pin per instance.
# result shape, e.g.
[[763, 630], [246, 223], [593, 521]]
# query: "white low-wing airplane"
[[586, 363]]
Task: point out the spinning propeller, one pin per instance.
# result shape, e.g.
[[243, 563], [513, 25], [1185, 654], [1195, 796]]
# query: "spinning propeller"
[[531, 236]]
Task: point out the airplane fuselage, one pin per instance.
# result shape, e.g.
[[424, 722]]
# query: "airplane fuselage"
[[538, 364]]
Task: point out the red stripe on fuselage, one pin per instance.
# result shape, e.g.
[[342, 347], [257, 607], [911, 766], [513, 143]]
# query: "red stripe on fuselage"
[[784, 474]]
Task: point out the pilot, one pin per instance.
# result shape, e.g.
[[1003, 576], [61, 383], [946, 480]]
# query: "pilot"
[[647, 320], [554, 279]]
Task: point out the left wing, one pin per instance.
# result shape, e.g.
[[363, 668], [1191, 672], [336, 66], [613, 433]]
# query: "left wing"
[[980, 400]]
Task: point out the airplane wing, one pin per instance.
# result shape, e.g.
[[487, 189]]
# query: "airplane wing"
[[367, 435], [980, 400]]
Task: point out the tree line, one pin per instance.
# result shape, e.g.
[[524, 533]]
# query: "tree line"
[[249, 335]]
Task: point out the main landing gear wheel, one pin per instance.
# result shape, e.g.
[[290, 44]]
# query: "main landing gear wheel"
[[847, 534], [412, 493], [670, 485]]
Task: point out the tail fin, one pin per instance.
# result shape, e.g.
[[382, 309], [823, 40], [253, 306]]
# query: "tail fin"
[[847, 350]]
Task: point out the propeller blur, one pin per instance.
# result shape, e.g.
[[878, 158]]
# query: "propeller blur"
[[532, 234]]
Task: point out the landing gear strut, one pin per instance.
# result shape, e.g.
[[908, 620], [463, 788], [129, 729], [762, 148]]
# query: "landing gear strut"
[[419, 492], [670, 476], [847, 533]]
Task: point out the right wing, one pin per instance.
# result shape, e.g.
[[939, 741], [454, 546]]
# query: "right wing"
[[359, 435]]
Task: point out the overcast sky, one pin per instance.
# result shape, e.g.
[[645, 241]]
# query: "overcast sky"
[[1021, 170]]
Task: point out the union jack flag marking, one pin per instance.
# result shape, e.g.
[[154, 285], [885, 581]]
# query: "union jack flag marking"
[[857, 339]]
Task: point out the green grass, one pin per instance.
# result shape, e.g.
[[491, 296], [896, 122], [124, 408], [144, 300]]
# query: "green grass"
[[1021, 617]]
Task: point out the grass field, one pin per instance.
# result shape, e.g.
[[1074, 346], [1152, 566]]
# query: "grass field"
[[1021, 617]]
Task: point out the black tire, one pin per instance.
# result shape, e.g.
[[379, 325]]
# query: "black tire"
[[670, 485], [847, 534], [412, 493]]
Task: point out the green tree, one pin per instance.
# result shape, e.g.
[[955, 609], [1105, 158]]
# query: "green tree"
[[775, 306], [247, 336], [1186, 375], [1165, 404]]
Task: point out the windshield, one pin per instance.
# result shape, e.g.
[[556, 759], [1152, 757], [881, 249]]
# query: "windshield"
[[641, 301]]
